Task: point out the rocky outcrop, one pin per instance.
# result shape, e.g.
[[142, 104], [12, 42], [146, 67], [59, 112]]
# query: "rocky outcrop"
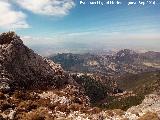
[[20, 67], [149, 109], [151, 103]]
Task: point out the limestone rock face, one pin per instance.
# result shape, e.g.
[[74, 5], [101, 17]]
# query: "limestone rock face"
[[151, 103], [21, 67]]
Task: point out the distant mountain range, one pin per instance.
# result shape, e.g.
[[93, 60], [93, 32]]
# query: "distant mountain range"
[[124, 61]]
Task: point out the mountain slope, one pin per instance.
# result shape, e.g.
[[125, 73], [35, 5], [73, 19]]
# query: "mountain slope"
[[29, 82], [34, 88], [27, 69]]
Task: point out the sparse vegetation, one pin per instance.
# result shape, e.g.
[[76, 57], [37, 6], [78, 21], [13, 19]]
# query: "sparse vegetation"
[[123, 104], [149, 116]]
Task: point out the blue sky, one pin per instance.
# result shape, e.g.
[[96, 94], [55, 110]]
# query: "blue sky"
[[66, 22]]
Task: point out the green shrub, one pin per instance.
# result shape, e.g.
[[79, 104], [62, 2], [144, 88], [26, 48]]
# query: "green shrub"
[[95, 90]]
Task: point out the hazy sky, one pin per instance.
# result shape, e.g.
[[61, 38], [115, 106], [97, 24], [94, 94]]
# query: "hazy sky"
[[66, 22]]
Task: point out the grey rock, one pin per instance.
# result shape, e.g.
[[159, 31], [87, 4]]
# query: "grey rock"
[[4, 87], [26, 69]]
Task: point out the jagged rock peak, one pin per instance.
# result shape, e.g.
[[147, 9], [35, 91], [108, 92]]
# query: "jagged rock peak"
[[9, 37], [125, 52], [28, 69]]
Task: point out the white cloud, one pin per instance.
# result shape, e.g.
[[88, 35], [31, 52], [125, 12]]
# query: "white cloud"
[[47, 7], [11, 19]]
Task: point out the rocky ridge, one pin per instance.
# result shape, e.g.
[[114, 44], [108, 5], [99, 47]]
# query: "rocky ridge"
[[21, 67]]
